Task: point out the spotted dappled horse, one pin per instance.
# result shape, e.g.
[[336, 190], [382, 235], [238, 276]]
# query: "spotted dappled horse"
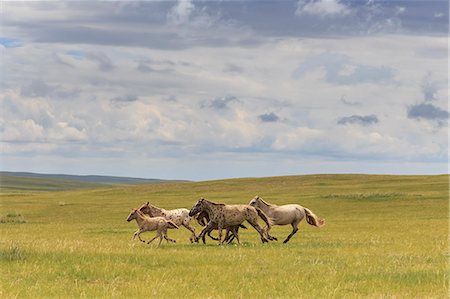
[[179, 216], [225, 216], [203, 219], [287, 214]]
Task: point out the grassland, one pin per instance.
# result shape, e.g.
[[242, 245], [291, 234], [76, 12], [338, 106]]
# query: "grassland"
[[386, 237]]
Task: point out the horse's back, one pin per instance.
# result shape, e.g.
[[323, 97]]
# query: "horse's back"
[[179, 216], [286, 214]]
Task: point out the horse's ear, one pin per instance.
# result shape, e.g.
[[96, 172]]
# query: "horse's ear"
[[147, 203]]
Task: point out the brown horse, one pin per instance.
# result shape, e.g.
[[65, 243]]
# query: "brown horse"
[[287, 214], [230, 215], [146, 223], [178, 216]]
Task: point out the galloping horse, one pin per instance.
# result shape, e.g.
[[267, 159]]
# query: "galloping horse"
[[230, 215], [287, 214], [146, 223], [203, 219], [178, 216]]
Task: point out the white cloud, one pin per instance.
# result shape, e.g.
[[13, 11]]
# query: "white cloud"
[[322, 8], [181, 12]]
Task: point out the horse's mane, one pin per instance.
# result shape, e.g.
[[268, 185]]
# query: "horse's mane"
[[265, 202], [148, 204], [214, 203], [140, 213]]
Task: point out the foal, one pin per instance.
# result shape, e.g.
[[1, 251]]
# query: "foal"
[[146, 223], [178, 216]]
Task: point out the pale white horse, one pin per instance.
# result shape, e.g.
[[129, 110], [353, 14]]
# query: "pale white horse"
[[146, 223], [179, 216], [287, 214]]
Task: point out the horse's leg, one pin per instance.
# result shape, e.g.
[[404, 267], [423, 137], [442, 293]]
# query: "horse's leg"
[[135, 234], [228, 237], [139, 234], [207, 229], [151, 240], [167, 238], [219, 229], [258, 228], [193, 237], [212, 237], [234, 234], [294, 230], [160, 235]]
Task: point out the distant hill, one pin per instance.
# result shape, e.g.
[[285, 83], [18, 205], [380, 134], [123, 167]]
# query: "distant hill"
[[28, 181]]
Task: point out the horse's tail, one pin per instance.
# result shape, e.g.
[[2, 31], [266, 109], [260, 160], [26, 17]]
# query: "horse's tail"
[[172, 224], [312, 219], [263, 217]]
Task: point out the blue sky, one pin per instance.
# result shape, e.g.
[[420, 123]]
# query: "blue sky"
[[206, 89]]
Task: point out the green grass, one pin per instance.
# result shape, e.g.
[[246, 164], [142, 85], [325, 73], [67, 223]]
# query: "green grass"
[[385, 237]]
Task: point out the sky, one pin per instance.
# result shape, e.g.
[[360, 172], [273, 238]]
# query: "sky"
[[204, 90]]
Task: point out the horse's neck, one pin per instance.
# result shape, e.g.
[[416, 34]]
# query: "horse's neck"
[[211, 209], [265, 206], [157, 211], [140, 219]]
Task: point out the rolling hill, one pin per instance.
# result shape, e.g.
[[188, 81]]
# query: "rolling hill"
[[28, 181]]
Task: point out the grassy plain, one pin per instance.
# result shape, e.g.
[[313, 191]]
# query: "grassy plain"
[[385, 237]]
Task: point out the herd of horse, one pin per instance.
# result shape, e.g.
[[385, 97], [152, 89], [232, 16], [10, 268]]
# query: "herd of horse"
[[218, 216]]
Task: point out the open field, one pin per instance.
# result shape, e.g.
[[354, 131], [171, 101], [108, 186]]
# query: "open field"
[[385, 237]]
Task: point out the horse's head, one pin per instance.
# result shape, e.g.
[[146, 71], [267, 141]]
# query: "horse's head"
[[145, 208], [133, 215], [255, 201], [202, 218], [197, 208]]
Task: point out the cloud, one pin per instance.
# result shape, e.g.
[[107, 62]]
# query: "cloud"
[[145, 68], [429, 88], [37, 88], [269, 117], [125, 99], [350, 103], [58, 59], [233, 69], [364, 120], [181, 12], [322, 8], [220, 103], [339, 69], [428, 112], [104, 62]]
